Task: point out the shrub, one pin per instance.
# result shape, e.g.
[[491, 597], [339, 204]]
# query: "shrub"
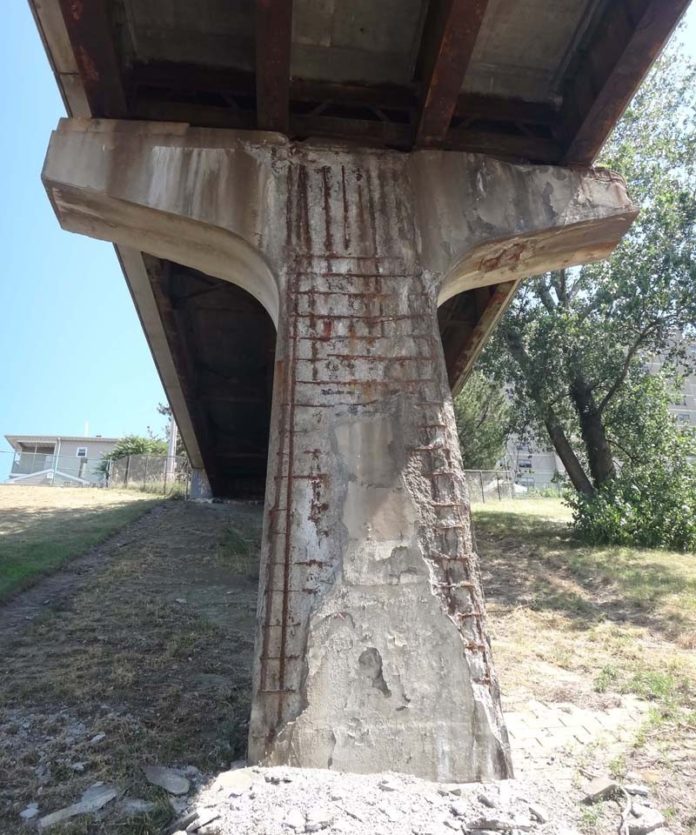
[[650, 505]]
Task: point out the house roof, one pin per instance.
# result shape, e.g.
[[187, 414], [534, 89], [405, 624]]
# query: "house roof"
[[15, 440]]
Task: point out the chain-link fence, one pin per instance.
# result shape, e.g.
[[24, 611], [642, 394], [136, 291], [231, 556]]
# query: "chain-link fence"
[[167, 475], [498, 485], [152, 473]]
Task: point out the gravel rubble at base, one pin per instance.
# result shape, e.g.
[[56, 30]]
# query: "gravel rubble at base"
[[275, 801]]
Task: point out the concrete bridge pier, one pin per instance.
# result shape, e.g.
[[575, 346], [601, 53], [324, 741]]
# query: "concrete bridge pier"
[[371, 650]]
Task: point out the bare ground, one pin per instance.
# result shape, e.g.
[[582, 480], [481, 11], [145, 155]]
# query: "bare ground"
[[149, 642], [153, 649]]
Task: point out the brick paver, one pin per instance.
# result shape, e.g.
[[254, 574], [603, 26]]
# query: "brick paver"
[[557, 735]]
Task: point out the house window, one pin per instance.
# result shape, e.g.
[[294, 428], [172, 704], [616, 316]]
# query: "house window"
[[81, 452]]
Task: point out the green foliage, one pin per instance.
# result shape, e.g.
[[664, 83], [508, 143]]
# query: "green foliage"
[[482, 416], [652, 500], [572, 347], [648, 506], [137, 445], [133, 445]]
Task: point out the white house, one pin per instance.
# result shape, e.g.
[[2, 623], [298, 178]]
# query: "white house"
[[65, 460]]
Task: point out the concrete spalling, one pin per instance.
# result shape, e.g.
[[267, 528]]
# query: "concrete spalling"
[[371, 650]]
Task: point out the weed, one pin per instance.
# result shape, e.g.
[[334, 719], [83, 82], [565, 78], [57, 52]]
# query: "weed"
[[617, 767], [590, 817], [237, 554], [606, 677]]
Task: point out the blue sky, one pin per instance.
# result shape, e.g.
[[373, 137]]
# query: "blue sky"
[[71, 345]]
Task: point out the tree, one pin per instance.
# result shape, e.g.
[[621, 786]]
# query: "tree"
[[133, 445], [482, 413], [573, 345]]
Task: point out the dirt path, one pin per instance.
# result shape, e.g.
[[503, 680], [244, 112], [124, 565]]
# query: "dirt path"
[[50, 593], [142, 655], [148, 640]]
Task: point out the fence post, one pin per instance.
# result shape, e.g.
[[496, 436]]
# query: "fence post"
[[166, 472], [147, 461], [483, 495], [497, 481], [125, 480]]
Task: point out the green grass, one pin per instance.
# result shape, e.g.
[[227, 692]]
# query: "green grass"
[[239, 552], [36, 540], [622, 618], [654, 581]]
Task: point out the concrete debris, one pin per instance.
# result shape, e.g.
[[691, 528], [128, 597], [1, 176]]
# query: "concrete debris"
[[599, 789], [203, 819], [131, 806], [43, 773], [178, 804], [30, 812], [236, 781], [645, 820], [93, 799], [295, 820], [184, 822], [285, 800], [460, 808], [495, 825], [538, 813], [167, 779], [637, 789], [318, 819], [276, 779]]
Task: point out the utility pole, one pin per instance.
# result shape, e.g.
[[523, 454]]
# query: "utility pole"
[[170, 468]]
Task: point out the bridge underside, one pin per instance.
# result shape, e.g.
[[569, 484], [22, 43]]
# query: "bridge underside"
[[223, 344]]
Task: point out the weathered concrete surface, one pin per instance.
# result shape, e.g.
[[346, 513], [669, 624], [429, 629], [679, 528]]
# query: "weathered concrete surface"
[[371, 649], [200, 486]]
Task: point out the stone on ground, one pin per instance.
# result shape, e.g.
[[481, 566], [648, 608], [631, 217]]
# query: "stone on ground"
[[93, 799], [167, 779]]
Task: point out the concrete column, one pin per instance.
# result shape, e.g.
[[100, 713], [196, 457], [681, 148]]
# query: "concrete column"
[[371, 649], [200, 486]]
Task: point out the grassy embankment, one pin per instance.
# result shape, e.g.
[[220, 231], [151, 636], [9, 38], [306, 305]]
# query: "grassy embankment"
[[43, 527]]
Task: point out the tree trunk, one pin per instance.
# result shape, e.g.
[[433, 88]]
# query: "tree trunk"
[[557, 434], [565, 452], [599, 454]]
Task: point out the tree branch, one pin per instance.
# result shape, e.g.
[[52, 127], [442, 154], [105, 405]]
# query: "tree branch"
[[621, 379], [542, 290]]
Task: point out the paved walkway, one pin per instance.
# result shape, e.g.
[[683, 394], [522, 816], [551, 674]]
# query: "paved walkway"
[[558, 736]]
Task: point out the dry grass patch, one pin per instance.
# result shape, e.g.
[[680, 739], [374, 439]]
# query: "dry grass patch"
[[586, 624], [43, 527], [154, 651]]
